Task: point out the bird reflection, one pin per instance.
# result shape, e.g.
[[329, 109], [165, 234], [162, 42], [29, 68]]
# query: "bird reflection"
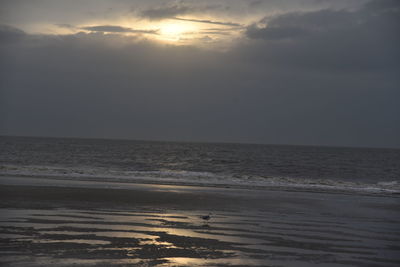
[[206, 219]]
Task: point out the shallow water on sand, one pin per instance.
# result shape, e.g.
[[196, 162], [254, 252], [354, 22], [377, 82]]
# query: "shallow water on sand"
[[171, 237]]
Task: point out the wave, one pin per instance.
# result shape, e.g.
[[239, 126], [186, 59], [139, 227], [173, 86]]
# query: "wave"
[[193, 178]]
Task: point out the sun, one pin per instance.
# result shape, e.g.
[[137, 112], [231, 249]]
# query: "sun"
[[174, 30]]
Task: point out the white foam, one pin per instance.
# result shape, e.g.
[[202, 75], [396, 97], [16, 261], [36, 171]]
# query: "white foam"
[[180, 177], [389, 183]]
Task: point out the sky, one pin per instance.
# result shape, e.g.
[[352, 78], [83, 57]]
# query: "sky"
[[305, 72]]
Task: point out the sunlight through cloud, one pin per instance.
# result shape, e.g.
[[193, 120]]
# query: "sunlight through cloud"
[[175, 30]]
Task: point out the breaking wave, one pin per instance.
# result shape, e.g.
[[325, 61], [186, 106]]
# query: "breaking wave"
[[180, 177]]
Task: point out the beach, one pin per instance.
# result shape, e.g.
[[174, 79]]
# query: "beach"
[[74, 223]]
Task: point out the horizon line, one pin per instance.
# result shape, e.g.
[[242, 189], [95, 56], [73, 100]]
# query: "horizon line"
[[199, 142]]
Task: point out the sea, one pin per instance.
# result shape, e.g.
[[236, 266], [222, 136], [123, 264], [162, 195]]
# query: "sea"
[[248, 166]]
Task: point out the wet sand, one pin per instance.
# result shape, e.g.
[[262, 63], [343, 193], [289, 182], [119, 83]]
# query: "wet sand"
[[72, 224]]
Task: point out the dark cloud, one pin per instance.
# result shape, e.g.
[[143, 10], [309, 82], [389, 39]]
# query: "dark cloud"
[[375, 13], [331, 84], [333, 39], [256, 3], [210, 22], [173, 10], [298, 25], [117, 29], [320, 20], [10, 34], [383, 5], [275, 33], [165, 12]]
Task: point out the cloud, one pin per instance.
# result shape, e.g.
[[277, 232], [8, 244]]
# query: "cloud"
[[159, 13], [210, 22], [331, 84], [65, 25], [172, 10], [275, 33], [326, 20], [332, 39], [382, 5], [148, 91], [220, 31], [215, 33], [297, 25], [117, 29], [10, 34]]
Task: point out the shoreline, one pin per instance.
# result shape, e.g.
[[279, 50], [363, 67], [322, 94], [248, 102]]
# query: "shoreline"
[[108, 182]]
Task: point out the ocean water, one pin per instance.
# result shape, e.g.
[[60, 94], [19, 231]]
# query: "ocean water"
[[366, 170]]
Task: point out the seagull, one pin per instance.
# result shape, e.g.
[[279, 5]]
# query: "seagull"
[[206, 217]]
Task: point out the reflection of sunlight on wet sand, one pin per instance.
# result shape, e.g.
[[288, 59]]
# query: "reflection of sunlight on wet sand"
[[224, 237], [87, 262], [144, 222], [182, 261], [176, 238], [75, 241], [155, 242]]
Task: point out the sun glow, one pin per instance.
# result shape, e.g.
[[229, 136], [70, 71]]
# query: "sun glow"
[[174, 31]]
